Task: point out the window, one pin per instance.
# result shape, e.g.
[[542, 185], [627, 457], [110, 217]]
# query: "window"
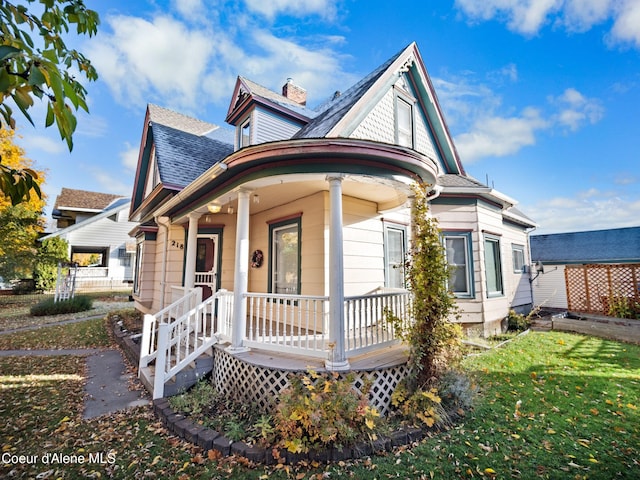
[[493, 266], [458, 254], [245, 134], [284, 255], [404, 122], [138, 269], [124, 257], [517, 252], [395, 249]]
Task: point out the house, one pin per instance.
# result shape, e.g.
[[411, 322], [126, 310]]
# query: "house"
[[584, 270], [96, 226], [296, 227]]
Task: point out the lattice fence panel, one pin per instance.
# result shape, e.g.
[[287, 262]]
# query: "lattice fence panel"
[[590, 288], [245, 382]]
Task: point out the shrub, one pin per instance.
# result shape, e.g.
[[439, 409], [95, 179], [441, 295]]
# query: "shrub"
[[423, 405], [457, 391], [623, 307], [518, 322], [50, 307], [320, 410], [199, 398]]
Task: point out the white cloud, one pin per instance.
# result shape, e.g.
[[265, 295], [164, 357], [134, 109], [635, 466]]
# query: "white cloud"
[[575, 110], [500, 136], [109, 182], [129, 157], [40, 143], [296, 8], [528, 17], [162, 57], [588, 210]]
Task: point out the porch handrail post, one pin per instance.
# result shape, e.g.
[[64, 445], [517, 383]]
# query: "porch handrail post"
[[161, 361], [241, 275], [337, 356], [192, 247]]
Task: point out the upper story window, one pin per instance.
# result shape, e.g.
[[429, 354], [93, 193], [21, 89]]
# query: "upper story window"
[[404, 122], [245, 134]]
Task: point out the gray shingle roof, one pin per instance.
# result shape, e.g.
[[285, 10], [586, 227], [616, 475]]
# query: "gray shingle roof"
[[258, 90], [333, 111], [455, 180], [182, 156], [599, 246]]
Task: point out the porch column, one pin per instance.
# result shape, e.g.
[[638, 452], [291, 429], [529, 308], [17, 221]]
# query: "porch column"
[[192, 247], [241, 275], [337, 357]]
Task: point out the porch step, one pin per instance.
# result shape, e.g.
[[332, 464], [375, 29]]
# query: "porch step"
[[184, 379]]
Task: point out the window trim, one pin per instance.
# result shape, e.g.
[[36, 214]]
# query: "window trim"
[[400, 99], [401, 228], [517, 248], [246, 124], [466, 236], [494, 240], [273, 227]]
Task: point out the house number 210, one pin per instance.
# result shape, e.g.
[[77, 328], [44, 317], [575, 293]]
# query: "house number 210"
[[177, 244]]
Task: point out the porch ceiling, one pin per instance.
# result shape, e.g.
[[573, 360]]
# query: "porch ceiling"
[[270, 192]]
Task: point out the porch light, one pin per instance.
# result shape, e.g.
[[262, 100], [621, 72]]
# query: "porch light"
[[230, 210], [214, 207], [256, 198]]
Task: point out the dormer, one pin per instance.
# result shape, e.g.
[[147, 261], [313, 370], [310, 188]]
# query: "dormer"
[[260, 115]]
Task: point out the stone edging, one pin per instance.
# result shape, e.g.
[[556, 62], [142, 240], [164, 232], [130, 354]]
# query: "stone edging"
[[208, 439]]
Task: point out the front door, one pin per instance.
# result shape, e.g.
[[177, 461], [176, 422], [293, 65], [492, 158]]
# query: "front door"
[[206, 264]]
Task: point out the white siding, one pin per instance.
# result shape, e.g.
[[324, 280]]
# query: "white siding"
[[549, 288], [379, 124], [270, 127]]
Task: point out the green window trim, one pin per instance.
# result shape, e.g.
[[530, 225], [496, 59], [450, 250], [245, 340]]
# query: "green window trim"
[[459, 254], [493, 266], [395, 253], [290, 232]]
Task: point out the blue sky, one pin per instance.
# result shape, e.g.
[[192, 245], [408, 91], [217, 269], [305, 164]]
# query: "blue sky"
[[542, 97]]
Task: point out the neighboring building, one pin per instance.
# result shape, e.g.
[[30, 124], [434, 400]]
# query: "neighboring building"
[[302, 206], [583, 270], [96, 226]]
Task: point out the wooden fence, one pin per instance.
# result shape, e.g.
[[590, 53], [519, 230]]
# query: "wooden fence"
[[592, 288]]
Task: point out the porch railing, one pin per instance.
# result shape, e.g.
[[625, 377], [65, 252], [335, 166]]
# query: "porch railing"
[[282, 322], [174, 342], [366, 324], [300, 324]]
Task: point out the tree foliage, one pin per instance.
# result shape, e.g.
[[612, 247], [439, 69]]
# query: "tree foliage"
[[20, 224], [51, 251], [44, 69], [434, 341]]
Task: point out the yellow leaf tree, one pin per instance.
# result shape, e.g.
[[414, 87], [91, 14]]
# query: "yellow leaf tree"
[[20, 224]]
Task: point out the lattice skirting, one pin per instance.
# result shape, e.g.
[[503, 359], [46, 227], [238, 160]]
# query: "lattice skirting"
[[246, 382]]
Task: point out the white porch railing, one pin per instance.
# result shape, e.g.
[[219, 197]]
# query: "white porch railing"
[[287, 323], [180, 333], [366, 323], [299, 324]]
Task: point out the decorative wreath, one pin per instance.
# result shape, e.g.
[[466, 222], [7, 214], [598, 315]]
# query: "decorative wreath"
[[256, 259]]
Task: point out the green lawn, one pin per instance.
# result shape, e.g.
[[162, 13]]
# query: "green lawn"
[[552, 405]]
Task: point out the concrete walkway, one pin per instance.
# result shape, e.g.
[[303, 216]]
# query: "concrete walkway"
[[107, 389]]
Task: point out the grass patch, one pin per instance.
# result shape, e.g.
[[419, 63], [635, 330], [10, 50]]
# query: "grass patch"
[[577, 417], [84, 334]]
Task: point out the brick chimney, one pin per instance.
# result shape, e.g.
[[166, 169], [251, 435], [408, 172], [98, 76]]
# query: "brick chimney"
[[294, 92]]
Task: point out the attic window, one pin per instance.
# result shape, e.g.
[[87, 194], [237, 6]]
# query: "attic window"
[[245, 134], [404, 122]]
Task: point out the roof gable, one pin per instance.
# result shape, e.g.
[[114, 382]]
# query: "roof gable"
[[180, 147], [342, 115], [246, 93]]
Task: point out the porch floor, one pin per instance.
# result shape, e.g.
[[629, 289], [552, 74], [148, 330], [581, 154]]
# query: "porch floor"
[[382, 358]]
